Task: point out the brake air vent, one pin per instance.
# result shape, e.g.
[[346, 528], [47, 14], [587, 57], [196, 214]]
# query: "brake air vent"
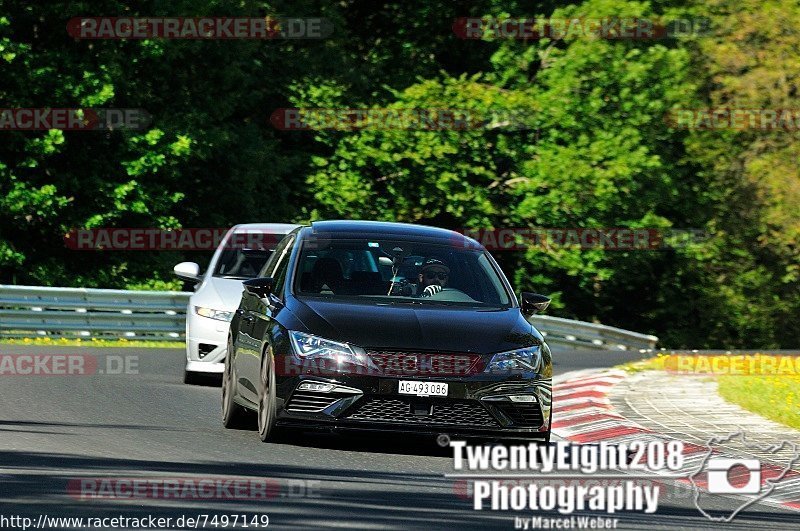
[[522, 414], [204, 349], [311, 402]]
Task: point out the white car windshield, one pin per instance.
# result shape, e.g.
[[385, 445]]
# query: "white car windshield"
[[240, 264]]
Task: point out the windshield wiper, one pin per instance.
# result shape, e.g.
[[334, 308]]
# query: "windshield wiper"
[[400, 301]]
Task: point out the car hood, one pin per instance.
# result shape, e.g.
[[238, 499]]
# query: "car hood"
[[417, 327], [219, 293]]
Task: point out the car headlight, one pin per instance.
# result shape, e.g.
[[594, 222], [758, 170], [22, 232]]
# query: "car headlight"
[[219, 315], [307, 346], [528, 359]]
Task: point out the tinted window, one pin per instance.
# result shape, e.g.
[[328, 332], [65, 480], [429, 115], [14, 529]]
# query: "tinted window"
[[269, 267], [282, 265]]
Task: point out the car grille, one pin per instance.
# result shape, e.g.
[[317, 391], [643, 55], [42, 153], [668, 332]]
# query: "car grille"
[[393, 363], [308, 402], [523, 414], [445, 413]]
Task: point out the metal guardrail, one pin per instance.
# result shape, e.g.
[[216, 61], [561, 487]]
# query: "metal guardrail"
[[29, 311], [581, 335]]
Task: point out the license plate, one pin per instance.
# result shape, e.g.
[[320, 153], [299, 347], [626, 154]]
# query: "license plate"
[[422, 388]]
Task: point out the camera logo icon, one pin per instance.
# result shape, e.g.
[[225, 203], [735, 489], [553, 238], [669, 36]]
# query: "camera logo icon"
[[734, 476]]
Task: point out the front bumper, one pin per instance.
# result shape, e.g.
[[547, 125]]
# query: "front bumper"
[[206, 344], [476, 405]]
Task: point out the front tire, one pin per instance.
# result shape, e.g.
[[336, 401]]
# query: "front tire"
[[267, 401], [234, 416]]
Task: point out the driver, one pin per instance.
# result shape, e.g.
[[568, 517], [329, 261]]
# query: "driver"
[[433, 277]]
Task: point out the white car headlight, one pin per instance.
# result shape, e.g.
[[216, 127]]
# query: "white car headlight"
[[307, 346], [528, 359], [219, 315]]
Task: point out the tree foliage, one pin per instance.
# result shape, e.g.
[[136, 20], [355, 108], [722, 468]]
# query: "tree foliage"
[[587, 146]]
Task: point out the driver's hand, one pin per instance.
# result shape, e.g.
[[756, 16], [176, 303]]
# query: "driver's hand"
[[431, 290]]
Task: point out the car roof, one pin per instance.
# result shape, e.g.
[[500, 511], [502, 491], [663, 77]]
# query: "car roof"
[[346, 229], [276, 228]]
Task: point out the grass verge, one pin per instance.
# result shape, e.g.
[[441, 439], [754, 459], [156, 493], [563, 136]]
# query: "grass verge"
[[92, 342], [773, 397]]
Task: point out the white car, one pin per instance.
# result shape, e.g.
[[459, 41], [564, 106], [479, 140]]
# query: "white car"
[[240, 255]]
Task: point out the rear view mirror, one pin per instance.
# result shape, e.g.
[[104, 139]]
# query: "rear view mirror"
[[261, 254], [260, 287], [533, 303], [187, 271]]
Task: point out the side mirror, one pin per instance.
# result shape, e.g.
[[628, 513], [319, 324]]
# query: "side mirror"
[[533, 303], [187, 271], [260, 287]]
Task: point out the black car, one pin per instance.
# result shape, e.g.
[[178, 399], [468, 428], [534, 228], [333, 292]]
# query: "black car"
[[387, 326]]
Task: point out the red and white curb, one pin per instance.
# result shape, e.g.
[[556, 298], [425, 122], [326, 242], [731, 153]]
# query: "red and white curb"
[[584, 414]]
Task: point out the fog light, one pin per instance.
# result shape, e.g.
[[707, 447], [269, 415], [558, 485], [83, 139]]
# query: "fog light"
[[204, 349], [315, 386], [522, 398]]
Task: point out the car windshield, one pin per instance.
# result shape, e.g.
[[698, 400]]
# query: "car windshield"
[[394, 271], [245, 253], [240, 264]]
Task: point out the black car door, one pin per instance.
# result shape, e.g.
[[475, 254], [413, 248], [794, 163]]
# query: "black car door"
[[258, 317]]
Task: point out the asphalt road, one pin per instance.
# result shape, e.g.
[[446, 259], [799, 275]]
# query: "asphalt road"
[[147, 424]]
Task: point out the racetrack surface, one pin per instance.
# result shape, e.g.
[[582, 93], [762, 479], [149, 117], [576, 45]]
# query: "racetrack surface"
[[56, 429]]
